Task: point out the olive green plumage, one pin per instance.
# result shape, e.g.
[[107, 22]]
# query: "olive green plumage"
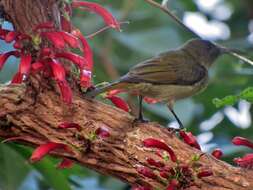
[[171, 75]]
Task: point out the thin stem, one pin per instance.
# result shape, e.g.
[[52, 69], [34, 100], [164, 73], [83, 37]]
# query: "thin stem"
[[174, 17], [103, 29], [244, 59]]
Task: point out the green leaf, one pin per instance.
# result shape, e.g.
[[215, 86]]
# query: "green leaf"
[[55, 178], [247, 94], [10, 163], [228, 100]]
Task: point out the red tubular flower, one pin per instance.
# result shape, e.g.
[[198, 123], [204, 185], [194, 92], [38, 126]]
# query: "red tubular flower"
[[171, 170], [102, 132], [25, 64], [17, 79], [65, 164], [66, 91], [146, 172], [68, 125], [245, 162], [85, 78], [3, 33], [189, 139], [65, 24], [164, 174], [45, 25], [240, 141], [24, 68], [37, 66], [217, 153], [11, 36], [173, 185], [154, 143], [5, 56], [87, 52], [155, 163], [58, 70], [59, 75], [44, 149], [54, 37], [94, 7], [205, 173], [76, 59], [46, 52], [17, 45], [119, 103], [70, 39]]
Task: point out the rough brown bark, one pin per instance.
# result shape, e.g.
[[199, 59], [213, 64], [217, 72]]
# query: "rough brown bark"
[[119, 155], [32, 112]]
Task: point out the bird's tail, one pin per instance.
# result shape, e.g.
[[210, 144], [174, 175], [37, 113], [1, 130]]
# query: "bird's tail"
[[108, 87]]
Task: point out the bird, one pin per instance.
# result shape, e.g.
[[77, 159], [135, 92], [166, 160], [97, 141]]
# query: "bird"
[[169, 76]]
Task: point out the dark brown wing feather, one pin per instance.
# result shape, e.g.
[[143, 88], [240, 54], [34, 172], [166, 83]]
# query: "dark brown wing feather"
[[173, 67]]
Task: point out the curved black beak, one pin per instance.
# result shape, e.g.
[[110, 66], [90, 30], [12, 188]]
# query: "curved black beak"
[[225, 50]]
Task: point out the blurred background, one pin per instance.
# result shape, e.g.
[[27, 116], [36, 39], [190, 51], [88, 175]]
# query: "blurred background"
[[228, 22]]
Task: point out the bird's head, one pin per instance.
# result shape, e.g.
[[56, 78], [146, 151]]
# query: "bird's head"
[[204, 51]]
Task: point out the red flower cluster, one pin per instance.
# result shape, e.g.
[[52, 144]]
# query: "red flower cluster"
[[37, 57], [247, 160], [179, 177]]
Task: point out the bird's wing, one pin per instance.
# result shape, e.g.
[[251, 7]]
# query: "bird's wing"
[[174, 67]]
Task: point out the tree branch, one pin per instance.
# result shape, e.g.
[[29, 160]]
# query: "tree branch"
[[118, 155], [173, 16]]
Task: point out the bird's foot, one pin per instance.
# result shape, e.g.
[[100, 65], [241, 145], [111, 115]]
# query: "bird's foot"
[[173, 130], [140, 120]]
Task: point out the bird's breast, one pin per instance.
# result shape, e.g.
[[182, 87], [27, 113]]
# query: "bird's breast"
[[169, 92]]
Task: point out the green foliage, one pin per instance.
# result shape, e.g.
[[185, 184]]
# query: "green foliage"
[[246, 94], [11, 161]]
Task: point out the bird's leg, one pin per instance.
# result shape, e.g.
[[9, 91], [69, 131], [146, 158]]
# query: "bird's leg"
[[140, 116], [176, 117]]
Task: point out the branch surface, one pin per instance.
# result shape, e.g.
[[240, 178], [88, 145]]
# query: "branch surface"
[[35, 122]]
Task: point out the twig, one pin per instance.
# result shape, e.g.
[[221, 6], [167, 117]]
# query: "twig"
[[177, 20], [103, 29], [246, 60], [174, 17]]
